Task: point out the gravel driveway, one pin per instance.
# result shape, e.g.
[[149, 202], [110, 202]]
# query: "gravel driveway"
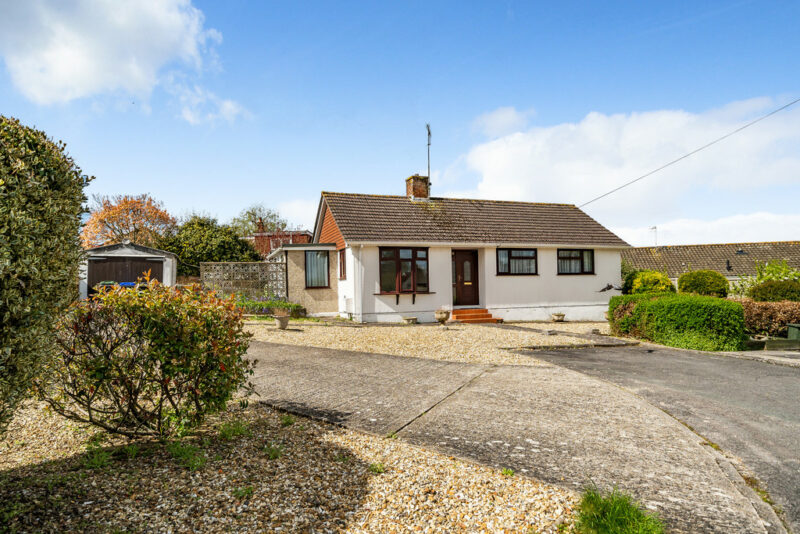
[[543, 421]]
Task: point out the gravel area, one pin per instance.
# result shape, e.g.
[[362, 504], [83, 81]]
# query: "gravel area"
[[324, 479], [458, 343]]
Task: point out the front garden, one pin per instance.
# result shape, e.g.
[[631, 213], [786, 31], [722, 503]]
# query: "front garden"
[[701, 314]]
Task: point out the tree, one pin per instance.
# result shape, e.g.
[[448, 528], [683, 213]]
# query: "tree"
[[138, 219], [41, 203], [202, 238], [246, 223]]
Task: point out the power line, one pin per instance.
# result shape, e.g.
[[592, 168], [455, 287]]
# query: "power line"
[[695, 151]]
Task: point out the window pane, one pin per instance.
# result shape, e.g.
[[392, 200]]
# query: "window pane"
[[388, 276], [523, 253], [502, 261], [523, 266], [387, 253], [422, 253], [316, 268], [467, 266], [569, 266], [405, 276], [422, 275], [588, 261], [405, 253]]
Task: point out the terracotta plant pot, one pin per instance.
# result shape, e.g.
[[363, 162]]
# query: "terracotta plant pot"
[[441, 315], [557, 317], [282, 321]]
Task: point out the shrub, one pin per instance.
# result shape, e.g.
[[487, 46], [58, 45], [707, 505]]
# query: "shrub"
[[650, 281], [41, 198], [772, 270], [616, 513], [268, 306], [775, 291], [770, 318], [704, 282], [151, 360], [685, 321]]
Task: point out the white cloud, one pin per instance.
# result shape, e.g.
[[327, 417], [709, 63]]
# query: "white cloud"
[[199, 105], [575, 162], [758, 226], [502, 121], [300, 212], [56, 51]]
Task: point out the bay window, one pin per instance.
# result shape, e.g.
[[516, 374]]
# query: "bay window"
[[404, 270]]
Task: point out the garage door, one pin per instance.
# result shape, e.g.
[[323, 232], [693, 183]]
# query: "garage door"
[[123, 269]]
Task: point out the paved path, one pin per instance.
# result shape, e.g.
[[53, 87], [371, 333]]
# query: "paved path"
[[548, 422], [749, 408]]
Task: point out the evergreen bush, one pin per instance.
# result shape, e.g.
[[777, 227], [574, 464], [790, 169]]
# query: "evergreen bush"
[[703, 282], [648, 281], [775, 291]]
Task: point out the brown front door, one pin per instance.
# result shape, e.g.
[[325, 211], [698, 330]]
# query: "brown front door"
[[465, 277]]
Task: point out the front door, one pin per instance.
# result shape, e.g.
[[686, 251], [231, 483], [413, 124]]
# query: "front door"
[[465, 277]]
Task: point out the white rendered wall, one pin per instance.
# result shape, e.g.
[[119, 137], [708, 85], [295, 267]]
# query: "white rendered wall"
[[513, 298], [535, 297], [347, 291]]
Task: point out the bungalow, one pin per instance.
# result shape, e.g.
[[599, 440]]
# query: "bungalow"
[[380, 258]]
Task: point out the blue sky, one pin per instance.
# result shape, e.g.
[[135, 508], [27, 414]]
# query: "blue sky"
[[212, 106]]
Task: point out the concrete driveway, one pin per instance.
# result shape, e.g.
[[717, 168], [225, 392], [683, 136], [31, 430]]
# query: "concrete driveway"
[[544, 421], [749, 408]]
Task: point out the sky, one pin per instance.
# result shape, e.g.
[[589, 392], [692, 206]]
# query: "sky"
[[213, 106]]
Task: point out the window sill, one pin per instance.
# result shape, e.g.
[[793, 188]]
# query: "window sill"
[[318, 287], [517, 274], [406, 293], [577, 274]]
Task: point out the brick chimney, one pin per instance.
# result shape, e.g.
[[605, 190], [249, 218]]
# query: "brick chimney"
[[417, 186]]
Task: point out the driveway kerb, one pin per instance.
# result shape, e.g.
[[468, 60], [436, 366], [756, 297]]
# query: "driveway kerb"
[[548, 422]]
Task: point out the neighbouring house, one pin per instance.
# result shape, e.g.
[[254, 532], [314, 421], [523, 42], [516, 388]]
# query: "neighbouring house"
[[125, 263], [382, 258], [732, 260], [265, 242]]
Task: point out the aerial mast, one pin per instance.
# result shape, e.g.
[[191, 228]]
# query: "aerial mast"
[[428, 127]]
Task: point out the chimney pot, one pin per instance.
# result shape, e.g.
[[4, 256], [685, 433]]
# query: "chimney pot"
[[417, 186]]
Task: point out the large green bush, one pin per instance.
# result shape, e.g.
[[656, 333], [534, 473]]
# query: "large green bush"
[[703, 282], [775, 291], [679, 320], [151, 360], [772, 270], [202, 239], [648, 281], [41, 198], [268, 306]]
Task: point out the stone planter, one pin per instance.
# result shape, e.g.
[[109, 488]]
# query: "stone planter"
[[557, 317], [442, 316], [282, 321]]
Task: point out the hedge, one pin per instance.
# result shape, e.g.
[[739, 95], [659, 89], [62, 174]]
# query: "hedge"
[[679, 320], [770, 318], [775, 291], [647, 281], [267, 306], [703, 282]]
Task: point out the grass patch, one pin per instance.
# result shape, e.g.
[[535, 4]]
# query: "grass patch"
[[287, 420], [233, 429], [377, 468], [273, 451], [756, 486], [507, 472], [190, 456], [243, 493], [614, 513]]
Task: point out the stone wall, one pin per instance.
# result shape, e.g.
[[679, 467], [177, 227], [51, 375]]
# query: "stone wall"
[[315, 301], [253, 279]]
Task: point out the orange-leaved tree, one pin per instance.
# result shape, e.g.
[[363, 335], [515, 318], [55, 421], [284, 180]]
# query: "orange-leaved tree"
[[139, 219]]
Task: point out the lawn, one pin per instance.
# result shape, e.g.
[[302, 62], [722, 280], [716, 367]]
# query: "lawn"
[[256, 469]]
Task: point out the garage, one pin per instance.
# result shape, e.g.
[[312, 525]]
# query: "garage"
[[124, 263]]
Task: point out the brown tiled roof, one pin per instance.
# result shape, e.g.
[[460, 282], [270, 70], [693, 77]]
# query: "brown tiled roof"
[[397, 218], [730, 259]]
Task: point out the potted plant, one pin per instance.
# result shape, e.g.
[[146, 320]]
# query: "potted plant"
[[281, 316], [557, 317], [442, 315]]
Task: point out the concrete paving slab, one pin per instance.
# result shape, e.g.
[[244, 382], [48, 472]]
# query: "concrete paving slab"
[[548, 422]]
